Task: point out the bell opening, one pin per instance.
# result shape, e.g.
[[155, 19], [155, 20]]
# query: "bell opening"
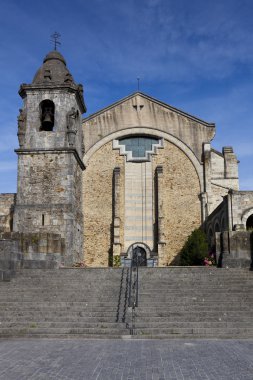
[[47, 110]]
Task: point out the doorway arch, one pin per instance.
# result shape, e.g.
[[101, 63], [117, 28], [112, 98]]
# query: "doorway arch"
[[139, 251], [249, 223]]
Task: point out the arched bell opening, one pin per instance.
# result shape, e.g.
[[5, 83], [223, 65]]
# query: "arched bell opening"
[[47, 111]]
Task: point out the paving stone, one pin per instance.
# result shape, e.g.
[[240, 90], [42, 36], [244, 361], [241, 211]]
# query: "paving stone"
[[70, 359]]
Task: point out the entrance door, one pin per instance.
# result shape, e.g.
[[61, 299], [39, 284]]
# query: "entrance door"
[[139, 254]]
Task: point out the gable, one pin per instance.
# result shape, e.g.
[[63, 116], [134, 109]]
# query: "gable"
[[139, 110]]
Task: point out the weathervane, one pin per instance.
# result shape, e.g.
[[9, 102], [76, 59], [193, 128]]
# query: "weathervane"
[[54, 38]]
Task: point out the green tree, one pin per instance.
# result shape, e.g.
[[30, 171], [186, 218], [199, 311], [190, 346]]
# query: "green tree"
[[195, 249]]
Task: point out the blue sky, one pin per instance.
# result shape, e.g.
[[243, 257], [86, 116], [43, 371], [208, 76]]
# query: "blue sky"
[[194, 55]]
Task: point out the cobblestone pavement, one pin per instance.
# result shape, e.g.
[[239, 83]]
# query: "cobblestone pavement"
[[126, 359]]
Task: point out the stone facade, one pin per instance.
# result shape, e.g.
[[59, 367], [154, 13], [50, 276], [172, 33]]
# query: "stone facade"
[[151, 177], [49, 191], [179, 192], [49, 159], [192, 181], [229, 229], [98, 205], [10, 258], [7, 202]]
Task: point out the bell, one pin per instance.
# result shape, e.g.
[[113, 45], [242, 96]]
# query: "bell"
[[48, 120]]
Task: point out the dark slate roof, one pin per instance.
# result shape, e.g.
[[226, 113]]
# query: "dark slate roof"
[[53, 70]]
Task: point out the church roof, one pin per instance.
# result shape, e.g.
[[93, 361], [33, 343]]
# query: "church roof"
[[54, 74], [153, 100], [53, 70]]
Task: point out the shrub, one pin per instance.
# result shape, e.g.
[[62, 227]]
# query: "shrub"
[[195, 249], [116, 261]]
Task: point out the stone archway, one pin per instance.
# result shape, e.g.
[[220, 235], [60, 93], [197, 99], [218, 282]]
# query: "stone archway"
[[139, 256], [139, 252], [249, 222]]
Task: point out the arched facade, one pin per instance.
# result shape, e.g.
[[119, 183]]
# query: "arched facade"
[[137, 201], [147, 179]]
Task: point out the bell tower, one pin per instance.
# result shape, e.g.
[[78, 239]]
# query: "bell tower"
[[49, 194]]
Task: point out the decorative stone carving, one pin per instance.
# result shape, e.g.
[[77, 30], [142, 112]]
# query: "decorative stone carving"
[[71, 126], [83, 148], [21, 127], [68, 78], [47, 75]]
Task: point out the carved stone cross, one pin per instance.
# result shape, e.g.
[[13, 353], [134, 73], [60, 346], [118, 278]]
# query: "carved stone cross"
[[138, 106]]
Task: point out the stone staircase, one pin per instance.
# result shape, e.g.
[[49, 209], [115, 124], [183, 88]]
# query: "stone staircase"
[[173, 302], [64, 302], [197, 302]]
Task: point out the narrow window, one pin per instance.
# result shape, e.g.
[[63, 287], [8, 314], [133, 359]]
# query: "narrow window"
[[43, 219]]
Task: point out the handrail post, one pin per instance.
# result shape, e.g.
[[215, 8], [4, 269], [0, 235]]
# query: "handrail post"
[[133, 295], [137, 282], [130, 285]]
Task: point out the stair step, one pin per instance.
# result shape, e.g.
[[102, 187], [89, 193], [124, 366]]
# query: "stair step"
[[87, 302]]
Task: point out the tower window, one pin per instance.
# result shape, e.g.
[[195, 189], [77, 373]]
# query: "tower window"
[[47, 110]]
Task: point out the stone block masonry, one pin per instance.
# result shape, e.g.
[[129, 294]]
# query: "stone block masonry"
[[10, 257], [98, 205], [180, 198], [51, 198], [7, 202]]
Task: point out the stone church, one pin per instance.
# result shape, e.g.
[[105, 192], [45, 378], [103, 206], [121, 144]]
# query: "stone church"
[[139, 174]]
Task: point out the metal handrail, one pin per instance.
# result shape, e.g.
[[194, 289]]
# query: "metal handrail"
[[134, 284]]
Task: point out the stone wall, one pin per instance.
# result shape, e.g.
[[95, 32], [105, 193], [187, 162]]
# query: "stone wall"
[[6, 211], [49, 198], [30, 250], [223, 176], [242, 206], [63, 101], [180, 197], [180, 192], [10, 257], [98, 205], [218, 192], [235, 249], [217, 221]]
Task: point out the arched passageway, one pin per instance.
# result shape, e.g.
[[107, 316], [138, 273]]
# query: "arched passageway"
[[249, 223]]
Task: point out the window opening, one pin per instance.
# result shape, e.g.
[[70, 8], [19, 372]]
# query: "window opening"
[[138, 145], [47, 110]]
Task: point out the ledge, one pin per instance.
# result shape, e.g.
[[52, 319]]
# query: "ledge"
[[53, 151]]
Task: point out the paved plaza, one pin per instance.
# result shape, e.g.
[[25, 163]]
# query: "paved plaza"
[[38, 359]]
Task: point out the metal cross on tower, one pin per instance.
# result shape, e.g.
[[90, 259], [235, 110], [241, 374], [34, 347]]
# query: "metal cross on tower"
[[138, 85], [54, 38]]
